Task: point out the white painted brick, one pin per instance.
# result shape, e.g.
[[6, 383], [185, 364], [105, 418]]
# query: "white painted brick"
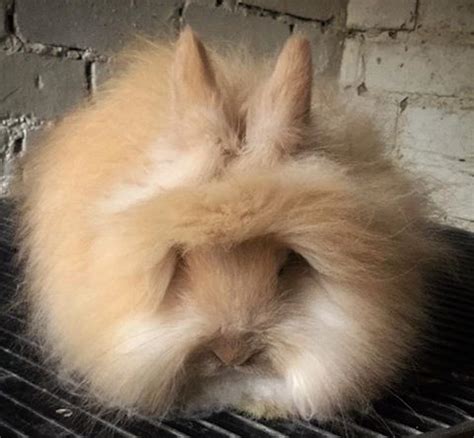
[[6, 146], [452, 181], [3, 19], [446, 15], [381, 14], [351, 72], [39, 85], [326, 47], [222, 26], [445, 70], [316, 9], [446, 131], [34, 136], [4, 138], [5, 183], [104, 25], [102, 71]]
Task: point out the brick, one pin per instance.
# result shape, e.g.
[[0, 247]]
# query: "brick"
[[351, 71], [421, 68], [437, 68], [102, 71], [446, 15], [322, 10], [8, 167], [4, 139], [4, 183], [42, 86], [101, 25], [452, 181], [5, 161], [3, 19], [33, 137], [18, 134], [447, 131], [326, 47], [381, 14], [260, 34]]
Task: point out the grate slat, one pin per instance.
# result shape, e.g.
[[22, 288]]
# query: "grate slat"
[[28, 421], [7, 431], [300, 428], [57, 410], [228, 422]]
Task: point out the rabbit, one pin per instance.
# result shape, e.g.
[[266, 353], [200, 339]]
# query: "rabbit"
[[215, 231]]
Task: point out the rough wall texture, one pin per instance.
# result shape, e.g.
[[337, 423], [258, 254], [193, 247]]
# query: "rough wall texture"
[[409, 63], [412, 65]]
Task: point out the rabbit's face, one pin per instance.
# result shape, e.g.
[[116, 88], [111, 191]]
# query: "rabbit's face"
[[238, 294], [248, 316], [254, 326]]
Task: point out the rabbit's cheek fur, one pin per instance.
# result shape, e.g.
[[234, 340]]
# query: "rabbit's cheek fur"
[[140, 361]]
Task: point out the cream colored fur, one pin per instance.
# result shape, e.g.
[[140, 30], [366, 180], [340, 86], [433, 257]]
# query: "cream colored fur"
[[157, 222]]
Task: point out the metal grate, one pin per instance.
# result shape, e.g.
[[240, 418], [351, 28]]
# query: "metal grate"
[[435, 401]]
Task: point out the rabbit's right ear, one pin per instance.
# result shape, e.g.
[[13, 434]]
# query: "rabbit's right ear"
[[194, 81]]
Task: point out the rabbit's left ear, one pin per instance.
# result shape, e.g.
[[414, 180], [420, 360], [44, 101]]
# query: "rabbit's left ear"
[[280, 110]]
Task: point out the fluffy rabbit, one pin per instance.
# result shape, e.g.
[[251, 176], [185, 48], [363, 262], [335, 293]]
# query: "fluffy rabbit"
[[215, 232]]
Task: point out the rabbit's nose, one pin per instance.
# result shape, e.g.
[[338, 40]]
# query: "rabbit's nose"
[[232, 351]]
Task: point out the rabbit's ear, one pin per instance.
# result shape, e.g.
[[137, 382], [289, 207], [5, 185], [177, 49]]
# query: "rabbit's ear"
[[280, 110], [194, 81]]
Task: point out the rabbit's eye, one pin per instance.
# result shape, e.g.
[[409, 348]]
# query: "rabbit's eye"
[[293, 259]]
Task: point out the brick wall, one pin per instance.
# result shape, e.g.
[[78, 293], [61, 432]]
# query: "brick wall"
[[410, 63]]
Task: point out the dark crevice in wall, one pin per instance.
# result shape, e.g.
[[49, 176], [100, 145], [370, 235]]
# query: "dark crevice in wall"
[[18, 145], [403, 104], [415, 18], [90, 77], [65, 52], [179, 17], [256, 10], [10, 25], [325, 25]]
